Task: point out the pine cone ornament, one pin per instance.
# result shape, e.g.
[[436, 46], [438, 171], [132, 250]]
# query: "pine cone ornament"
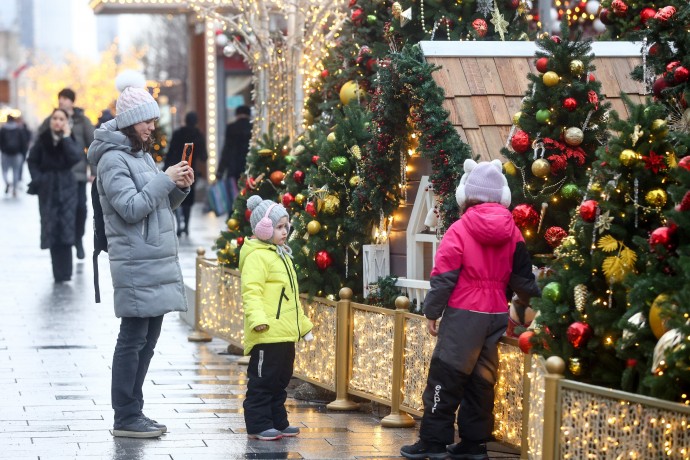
[[581, 296]]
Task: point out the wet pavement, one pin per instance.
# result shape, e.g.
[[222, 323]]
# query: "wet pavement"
[[56, 349]]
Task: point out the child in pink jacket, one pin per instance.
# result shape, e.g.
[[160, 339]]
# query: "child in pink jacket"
[[480, 258]]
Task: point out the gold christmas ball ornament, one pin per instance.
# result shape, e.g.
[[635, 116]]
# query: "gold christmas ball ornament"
[[350, 91], [659, 127], [265, 152], [550, 78], [656, 323], [354, 181], [509, 168], [299, 199], [595, 187], [313, 227], [233, 224], [516, 118], [330, 137], [575, 366], [331, 204], [628, 157], [541, 168], [656, 197], [574, 136], [576, 67]]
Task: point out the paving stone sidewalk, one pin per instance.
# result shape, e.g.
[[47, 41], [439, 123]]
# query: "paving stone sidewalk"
[[56, 349]]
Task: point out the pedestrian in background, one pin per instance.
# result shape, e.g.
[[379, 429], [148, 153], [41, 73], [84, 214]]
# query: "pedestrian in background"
[[233, 160], [186, 134], [273, 319], [138, 202], [50, 162], [479, 258], [14, 142], [82, 131]]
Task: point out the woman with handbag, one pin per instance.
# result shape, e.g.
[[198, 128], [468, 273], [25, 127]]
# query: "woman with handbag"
[[50, 161]]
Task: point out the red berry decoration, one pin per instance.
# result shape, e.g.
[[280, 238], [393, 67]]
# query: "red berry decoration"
[[681, 74], [619, 7], [298, 176], [323, 259], [520, 141], [524, 341], [684, 163], [554, 236], [288, 198], [646, 14], [588, 210], [662, 236], [570, 104], [542, 64], [315, 159], [480, 27], [240, 240], [525, 216], [247, 214], [578, 334], [310, 207]]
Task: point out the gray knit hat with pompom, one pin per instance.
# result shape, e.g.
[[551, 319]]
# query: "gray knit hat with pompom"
[[259, 207]]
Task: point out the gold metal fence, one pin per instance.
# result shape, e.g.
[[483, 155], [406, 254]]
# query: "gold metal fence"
[[383, 355]]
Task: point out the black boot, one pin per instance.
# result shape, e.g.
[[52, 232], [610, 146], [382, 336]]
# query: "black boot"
[[80, 249]]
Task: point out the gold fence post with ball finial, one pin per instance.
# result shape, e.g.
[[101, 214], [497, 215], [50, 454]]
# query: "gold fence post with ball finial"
[[555, 368], [197, 334], [397, 419], [343, 352]]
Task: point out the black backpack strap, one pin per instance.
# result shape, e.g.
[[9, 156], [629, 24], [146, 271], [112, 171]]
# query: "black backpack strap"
[[96, 286]]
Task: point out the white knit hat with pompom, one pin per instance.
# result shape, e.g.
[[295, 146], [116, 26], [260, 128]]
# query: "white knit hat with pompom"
[[134, 104]]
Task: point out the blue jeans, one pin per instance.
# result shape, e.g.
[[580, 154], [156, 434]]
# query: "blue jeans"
[[133, 353], [12, 163]]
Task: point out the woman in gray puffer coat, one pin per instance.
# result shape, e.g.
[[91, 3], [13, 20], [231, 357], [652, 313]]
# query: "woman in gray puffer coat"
[[138, 201]]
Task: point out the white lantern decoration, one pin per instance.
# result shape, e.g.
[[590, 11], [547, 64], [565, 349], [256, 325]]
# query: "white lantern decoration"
[[222, 39], [553, 13]]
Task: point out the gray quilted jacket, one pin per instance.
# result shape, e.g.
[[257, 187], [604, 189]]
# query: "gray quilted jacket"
[[138, 201]]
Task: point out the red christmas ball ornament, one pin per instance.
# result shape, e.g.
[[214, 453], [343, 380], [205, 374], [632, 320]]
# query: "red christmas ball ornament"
[[556, 39], [542, 64], [684, 163], [524, 341], [480, 27], [247, 214], [680, 74], [240, 240], [662, 236], [659, 85], [351, 3], [277, 177], [631, 362], [578, 334], [357, 15], [604, 16], [665, 13], [512, 4], [325, 73], [371, 64], [671, 66], [315, 159], [588, 210], [684, 204], [569, 104], [310, 207], [654, 49], [525, 216], [323, 259], [288, 198], [619, 7], [554, 236], [298, 176], [520, 141], [592, 78], [646, 14]]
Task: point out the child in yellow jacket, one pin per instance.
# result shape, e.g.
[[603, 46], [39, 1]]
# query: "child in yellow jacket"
[[273, 320]]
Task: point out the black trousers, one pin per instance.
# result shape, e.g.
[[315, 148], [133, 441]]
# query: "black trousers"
[[270, 370], [81, 211], [133, 352], [61, 256], [462, 374]]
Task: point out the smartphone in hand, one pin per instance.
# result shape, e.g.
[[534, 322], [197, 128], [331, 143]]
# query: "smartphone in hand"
[[187, 152]]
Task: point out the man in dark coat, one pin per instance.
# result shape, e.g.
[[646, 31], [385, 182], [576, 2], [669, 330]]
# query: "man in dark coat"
[[234, 155], [82, 131], [186, 134]]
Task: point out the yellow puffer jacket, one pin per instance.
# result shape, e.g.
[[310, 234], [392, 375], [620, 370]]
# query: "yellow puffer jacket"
[[270, 296]]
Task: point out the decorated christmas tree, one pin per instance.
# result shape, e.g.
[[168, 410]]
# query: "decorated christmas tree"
[[267, 162], [562, 122], [625, 20], [326, 243], [467, 20], [586, 295]]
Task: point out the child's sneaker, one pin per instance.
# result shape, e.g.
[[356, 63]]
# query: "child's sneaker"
[[466, 450], [267, 435], [290, 431], [422, 450]]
